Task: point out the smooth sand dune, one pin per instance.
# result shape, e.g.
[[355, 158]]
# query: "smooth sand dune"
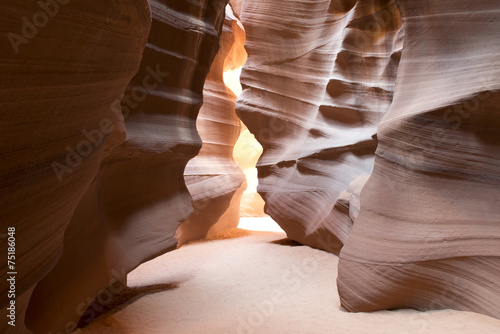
[[251, 282]]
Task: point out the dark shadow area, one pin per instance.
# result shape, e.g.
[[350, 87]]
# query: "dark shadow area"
[[287, 242], [119, 301]]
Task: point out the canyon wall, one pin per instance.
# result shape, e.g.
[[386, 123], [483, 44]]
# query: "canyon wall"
[[319, 77], [99, 120], [213, 178], [94, 187], [428, 233], [62, 68]]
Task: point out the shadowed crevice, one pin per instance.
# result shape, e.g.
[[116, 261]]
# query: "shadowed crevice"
[[120, 301]]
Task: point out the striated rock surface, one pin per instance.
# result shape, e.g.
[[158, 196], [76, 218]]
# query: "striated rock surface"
[[213, 178], [62, 66], [428, 233], [130, 211], [319, 77], [236, 6]]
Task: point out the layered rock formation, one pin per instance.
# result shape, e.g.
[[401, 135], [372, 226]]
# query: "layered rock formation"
[[62, 68], [213, 178], [428, 234], [61, 117], [92, 175], [319, 77]]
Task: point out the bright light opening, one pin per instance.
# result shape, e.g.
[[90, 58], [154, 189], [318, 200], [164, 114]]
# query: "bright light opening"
[[232, 80], [246, 153], [265, 224]]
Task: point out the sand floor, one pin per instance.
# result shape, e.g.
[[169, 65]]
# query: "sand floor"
[[251, 282]]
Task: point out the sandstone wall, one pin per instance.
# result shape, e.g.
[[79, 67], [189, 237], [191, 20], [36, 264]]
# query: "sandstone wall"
[[213, 178], [319, 77], [94, 189], [62, 67], [428, 234]]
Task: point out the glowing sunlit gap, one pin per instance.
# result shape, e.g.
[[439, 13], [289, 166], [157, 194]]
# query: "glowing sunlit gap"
[[247, 151], [252, 180], [232, 80], [265, 224]]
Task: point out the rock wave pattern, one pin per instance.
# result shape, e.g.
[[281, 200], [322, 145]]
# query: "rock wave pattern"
[[213, 178], [93, 173], [63, 67], [319, 78], [428, 233]]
